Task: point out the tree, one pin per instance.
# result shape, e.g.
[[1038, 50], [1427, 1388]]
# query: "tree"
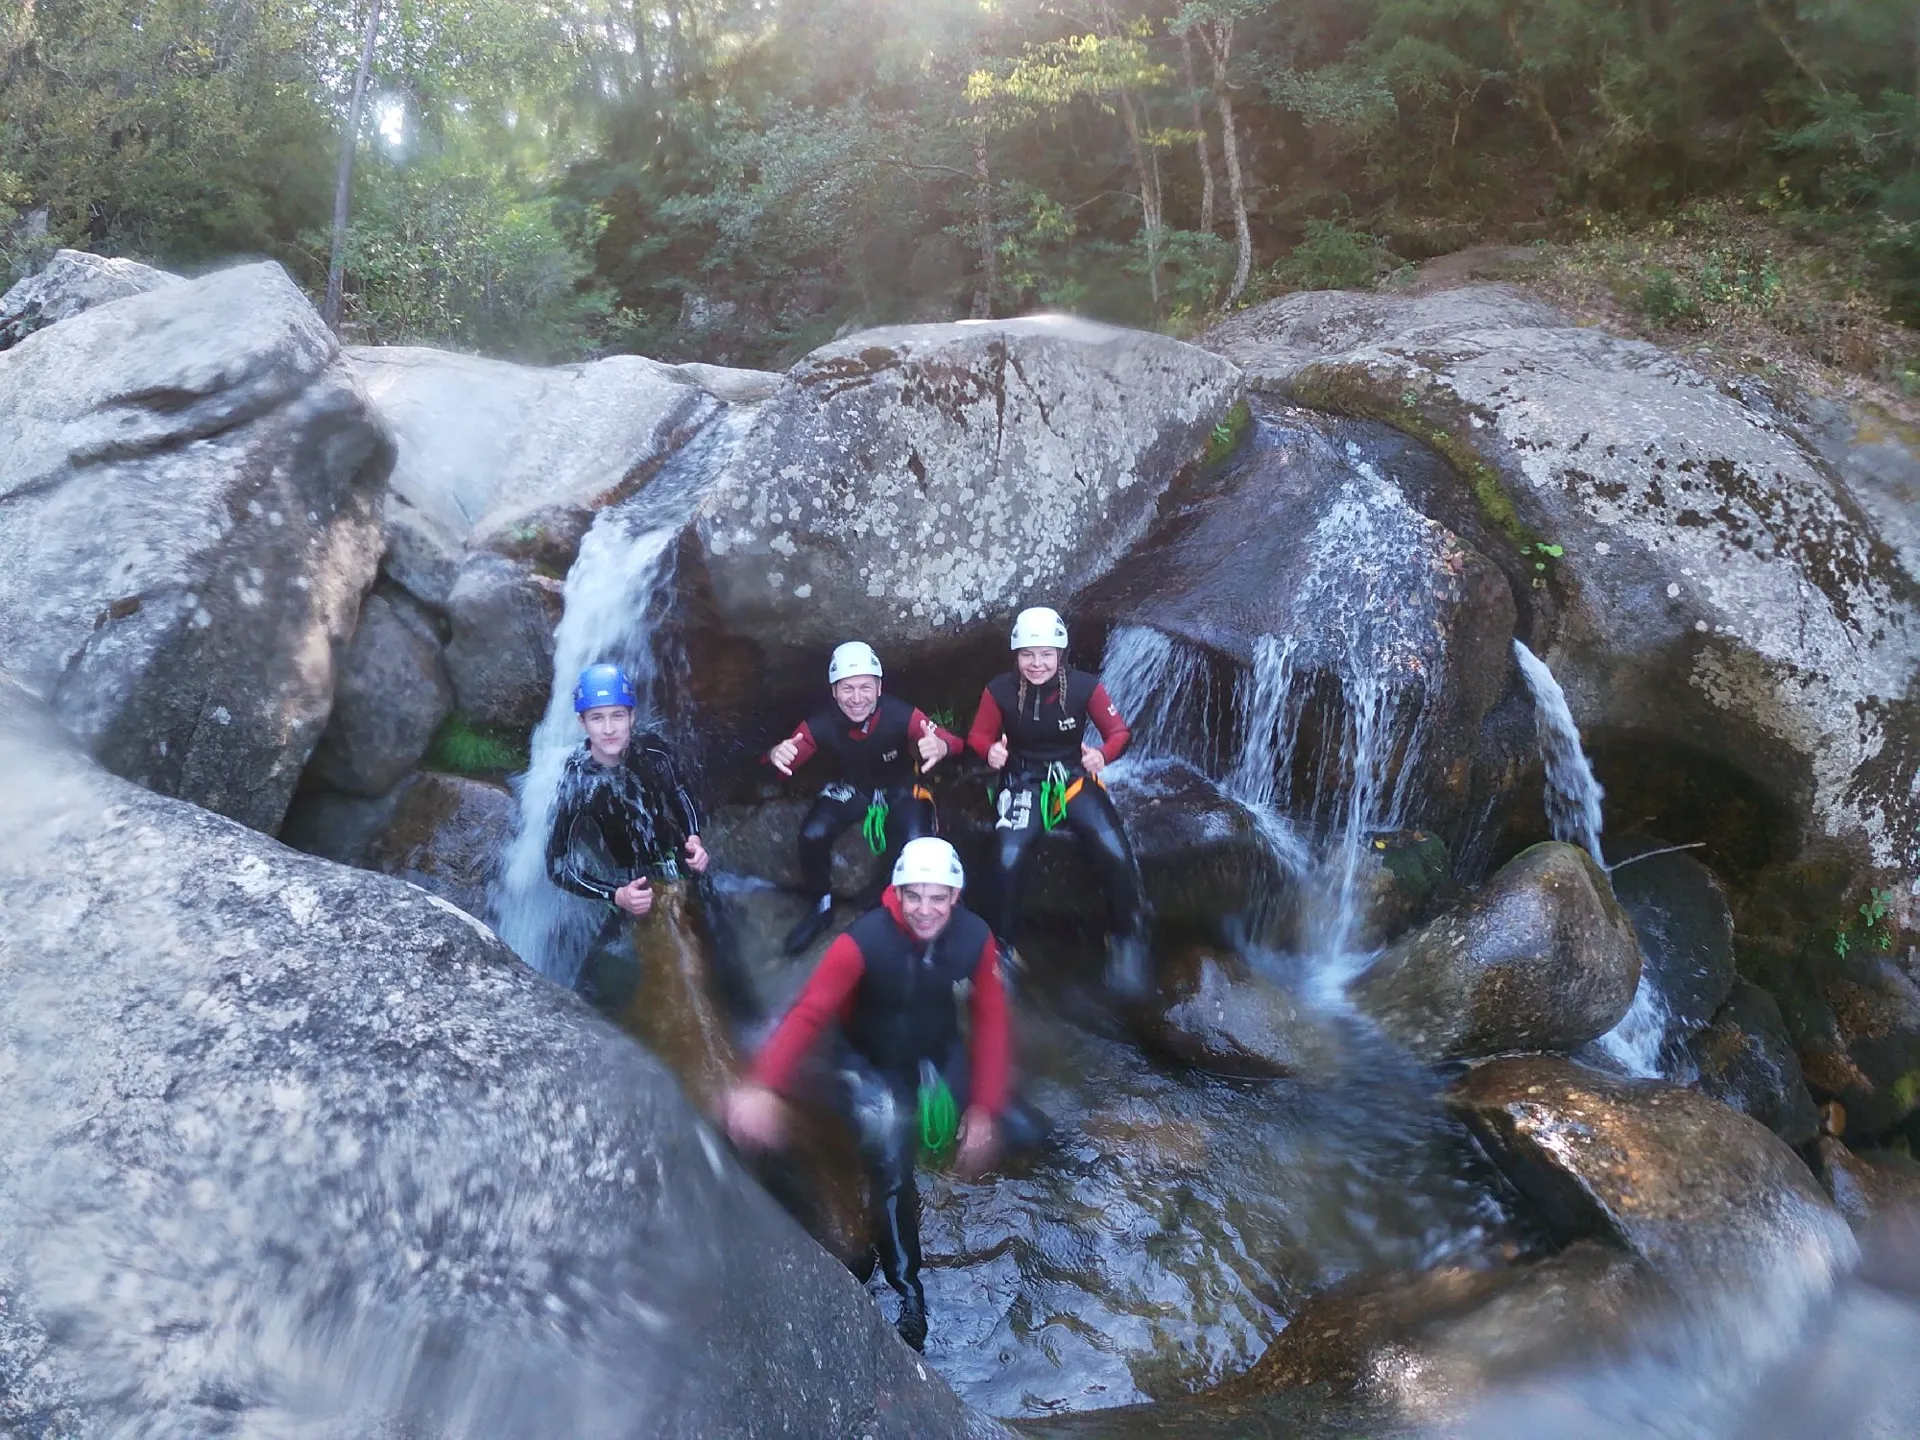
[[343, 181], [1213, 21]]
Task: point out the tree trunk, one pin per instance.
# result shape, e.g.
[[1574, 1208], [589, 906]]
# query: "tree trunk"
[[983, 223], [1218, 38], [1152, 216], [343, 179], [1536, 96], [1201, 148]]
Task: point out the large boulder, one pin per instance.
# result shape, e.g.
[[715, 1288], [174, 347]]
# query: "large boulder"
[[1706, 580], [1745, 1060], [1541, 958], [391, 697], [291, 1148], [917, 485], [446, 835], [1702, 1194], [1305, 564], [1215, 1012], [73, 282], [518, 459], [189, 516], [1685, 928], [500, 657]]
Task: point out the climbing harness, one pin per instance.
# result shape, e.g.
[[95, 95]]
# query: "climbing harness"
[[939, 1117], [874, 827], [1056, 790]]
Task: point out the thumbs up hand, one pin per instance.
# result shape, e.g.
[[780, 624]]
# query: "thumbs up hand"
[[997, 755], [932, 748]]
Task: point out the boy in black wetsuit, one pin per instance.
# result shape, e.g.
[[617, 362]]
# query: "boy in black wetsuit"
[[880, 745], [623, 820]]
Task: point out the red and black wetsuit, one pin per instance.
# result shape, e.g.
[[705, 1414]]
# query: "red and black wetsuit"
[[897, 1003], [878, 759], [1045, 726]]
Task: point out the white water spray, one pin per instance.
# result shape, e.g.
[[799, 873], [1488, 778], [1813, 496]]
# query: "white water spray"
[[618, 595]]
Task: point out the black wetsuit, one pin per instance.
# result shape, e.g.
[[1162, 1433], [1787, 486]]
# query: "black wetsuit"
[[1045, 735], [615, 823]]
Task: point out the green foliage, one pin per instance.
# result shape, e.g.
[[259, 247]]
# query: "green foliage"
[[1225, 437], [1873, 928], [1333, 256], [464, 748]]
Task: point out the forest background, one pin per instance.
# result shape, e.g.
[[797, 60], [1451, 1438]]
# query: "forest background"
[[739, 180]]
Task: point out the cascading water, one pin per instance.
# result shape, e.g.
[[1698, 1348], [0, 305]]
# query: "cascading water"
[[1380, 659], [619, 593], [1573, 814]]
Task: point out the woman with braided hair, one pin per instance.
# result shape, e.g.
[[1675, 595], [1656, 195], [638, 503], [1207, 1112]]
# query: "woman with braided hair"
[[1032, 726]]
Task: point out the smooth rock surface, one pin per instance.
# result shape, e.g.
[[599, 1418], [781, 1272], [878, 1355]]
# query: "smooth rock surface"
[[446, 835], [72, 282], [1870, 1188], [190, 517], [1682, 920], [500, 656], [1746, 1061], [296, 1149], [1701, 1193], [391, 696], [1541, 958], [1215, 1013], [1716, 585], [921, 483]]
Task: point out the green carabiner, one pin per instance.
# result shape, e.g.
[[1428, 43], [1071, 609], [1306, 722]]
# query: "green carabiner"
[[1053, 796], [939, 1117], [875, 825]]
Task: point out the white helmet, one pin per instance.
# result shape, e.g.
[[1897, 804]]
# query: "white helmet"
[[856, 657], [929, 861], [1039, 627]]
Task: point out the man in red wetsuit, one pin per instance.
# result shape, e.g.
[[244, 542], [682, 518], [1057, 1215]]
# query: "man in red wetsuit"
[[878, 747], [895, 984], [1033, 727]]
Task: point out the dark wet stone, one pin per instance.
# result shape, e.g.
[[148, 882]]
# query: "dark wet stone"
[[1541, 958], [1871, 1187], [1402, 874], [1685, 928], [1745, 1060], [390, 696], [1216, 1013], [446, 836], [1697, 1190]]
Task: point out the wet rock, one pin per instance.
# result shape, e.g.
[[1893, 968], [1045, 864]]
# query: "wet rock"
[[1872, 1187], [1306, 565], [191, 491], [446, 835], [1400, 878], [912, 485], [500, 656], [1745, 1060], [1716, 585], [1541, 958], [253, 1094], [1685, 929], [518, 458], [336, 827], [1425, 1344], [391, 696], [1216, 1013], [72, 282], [1694, 1189]]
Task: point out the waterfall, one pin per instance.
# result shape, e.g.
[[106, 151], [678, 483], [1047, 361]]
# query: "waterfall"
[[619, 594], [1573, 795], [1573, 814]]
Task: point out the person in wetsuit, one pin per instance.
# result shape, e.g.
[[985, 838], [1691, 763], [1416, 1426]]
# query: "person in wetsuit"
[[897, 983], [878, 746], [1033, 727], [622, 820]]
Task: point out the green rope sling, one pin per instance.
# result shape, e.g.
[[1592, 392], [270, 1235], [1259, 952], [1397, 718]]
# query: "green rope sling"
[[939, 1117], [874, 827]]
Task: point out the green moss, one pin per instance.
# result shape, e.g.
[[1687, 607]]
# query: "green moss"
[[1906, 1090], [1225, 437], [464, 748]]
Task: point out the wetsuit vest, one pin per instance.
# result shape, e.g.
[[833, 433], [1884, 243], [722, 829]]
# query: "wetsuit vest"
[[907, 1005], [879, 760], [1043, 730], [636, 815]]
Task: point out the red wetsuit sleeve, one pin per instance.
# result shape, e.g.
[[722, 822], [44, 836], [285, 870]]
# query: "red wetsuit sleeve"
[[1114, 733], [917, 725], [988, 722], [808, 747], [991, 1045], [818, 1005]]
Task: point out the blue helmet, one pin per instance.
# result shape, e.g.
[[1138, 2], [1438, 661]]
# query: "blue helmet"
[[602, 685]]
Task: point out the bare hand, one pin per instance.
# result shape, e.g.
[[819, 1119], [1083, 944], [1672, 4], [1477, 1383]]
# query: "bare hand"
[[635, 897], [932, 748], [979, 1143], [756, 1117], [1091, 760], [782, 756], [697, 857], [997, 754]]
